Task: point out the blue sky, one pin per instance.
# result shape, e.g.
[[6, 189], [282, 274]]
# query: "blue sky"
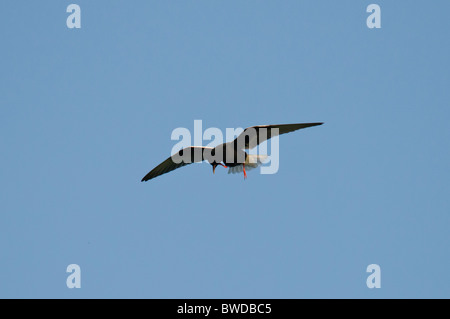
[[86, 113]]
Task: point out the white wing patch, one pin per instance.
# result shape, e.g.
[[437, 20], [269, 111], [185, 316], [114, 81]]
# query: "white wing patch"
[[252, 162]]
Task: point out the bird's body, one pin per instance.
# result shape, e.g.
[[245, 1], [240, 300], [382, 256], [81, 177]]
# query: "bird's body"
[[230, 155]]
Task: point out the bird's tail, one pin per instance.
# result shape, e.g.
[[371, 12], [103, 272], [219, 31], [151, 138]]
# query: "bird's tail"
[[252, 161]]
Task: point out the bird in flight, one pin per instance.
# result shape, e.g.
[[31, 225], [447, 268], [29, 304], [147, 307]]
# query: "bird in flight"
[[230, 155]]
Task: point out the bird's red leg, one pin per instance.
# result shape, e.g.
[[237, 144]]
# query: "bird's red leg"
[[245, 174]]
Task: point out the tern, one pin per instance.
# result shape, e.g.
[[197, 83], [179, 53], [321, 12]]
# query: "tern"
[[230, 155]]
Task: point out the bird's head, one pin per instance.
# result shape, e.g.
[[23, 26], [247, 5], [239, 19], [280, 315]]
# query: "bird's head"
[[214, 165]]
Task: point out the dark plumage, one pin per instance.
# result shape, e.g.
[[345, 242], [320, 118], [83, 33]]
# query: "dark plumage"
[[231, 154]]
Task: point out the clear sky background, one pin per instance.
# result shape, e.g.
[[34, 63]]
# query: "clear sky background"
[[85, 114]]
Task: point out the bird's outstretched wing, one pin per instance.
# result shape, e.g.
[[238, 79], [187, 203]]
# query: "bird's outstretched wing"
[[254, 135], [184, 157]]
